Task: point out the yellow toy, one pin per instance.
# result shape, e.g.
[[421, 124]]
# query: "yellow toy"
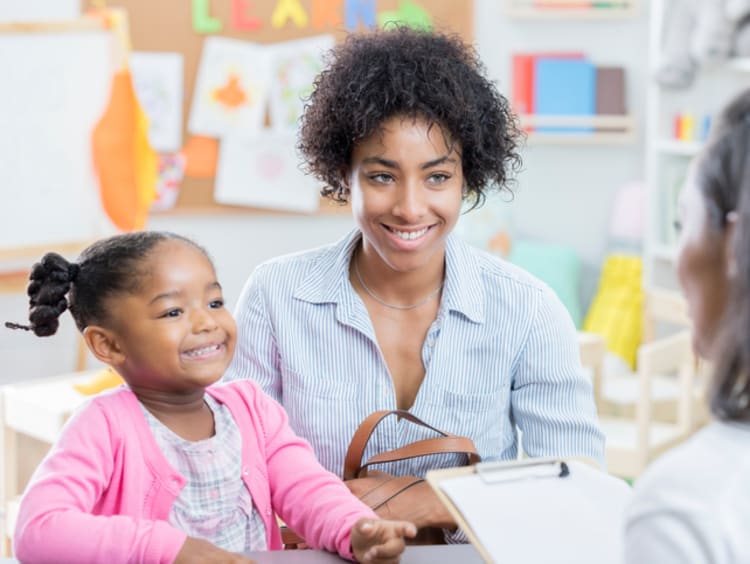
[[101, 381], [616, 311]]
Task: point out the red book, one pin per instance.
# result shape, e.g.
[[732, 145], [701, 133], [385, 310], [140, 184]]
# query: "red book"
[[522, 98]]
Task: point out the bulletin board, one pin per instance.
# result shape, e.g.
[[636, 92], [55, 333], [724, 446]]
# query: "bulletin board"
[[168, 25]]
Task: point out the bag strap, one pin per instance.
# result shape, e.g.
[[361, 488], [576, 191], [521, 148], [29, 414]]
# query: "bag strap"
[[446, 443], [384, 491]]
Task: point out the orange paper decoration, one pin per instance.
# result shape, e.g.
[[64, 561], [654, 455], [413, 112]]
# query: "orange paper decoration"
[[201, 155], [125, 163]]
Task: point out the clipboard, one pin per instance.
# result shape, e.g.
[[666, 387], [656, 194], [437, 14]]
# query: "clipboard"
[[536, 510]]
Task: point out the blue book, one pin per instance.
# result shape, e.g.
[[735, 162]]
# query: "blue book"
[[564, 87]]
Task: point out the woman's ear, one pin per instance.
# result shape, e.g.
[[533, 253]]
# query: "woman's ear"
[[103, 345], [729, 257]]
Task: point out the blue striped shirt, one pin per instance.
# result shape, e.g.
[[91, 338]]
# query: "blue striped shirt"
[[501, 353]]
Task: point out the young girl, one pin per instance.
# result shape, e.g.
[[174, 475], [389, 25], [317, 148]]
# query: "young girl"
[[169, 469]]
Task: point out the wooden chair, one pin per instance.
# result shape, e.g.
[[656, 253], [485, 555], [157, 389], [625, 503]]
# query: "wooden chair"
[[647, 412], [633, 442], [665, 312]]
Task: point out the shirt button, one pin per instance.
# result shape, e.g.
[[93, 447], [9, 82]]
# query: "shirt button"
[[431, 343]]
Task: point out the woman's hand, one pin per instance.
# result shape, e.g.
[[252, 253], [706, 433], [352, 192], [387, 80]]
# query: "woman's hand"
[[378, 541], [195, 551]]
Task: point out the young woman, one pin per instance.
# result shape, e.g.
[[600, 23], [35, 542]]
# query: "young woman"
[[170, 468], [405, 126], [693, 505]]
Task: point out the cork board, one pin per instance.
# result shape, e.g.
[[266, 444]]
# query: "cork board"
[[168, 25]]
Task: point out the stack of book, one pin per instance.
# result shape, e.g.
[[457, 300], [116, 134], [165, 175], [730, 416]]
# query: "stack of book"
[[566, 85]]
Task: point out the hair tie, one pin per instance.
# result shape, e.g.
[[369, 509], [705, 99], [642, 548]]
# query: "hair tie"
[[73, 270]]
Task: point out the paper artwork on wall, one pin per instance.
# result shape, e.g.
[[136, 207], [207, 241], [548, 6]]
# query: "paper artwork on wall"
[[231, 89], [55, 88], [263, 172], [158, 81], [39, 10], [295, 66], [171, 173]]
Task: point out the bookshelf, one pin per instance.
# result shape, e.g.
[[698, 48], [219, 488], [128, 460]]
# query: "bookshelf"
[[565, 9], [677, 147], [667, 158], [739, 64], [605, 129]]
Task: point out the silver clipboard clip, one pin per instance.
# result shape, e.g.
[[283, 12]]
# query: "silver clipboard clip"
[[500, 472]]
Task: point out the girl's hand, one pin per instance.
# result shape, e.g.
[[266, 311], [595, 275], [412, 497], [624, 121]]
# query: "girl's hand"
[[195, 551], [378, 541]]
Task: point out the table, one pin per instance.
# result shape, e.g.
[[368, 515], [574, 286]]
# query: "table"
[[444, 554]]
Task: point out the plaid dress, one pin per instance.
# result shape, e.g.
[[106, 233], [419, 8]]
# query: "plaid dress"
[[215, 504]]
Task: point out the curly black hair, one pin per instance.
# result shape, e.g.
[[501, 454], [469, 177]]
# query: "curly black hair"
[[108, 267], [435, 76]]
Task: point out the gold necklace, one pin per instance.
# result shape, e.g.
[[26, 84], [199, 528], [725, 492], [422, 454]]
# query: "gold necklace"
[[386, 304]]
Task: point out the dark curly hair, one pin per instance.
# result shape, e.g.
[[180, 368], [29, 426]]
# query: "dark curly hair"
[[106, 268], [374, 76]]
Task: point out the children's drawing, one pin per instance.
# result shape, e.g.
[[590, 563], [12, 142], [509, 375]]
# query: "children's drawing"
[[263, 172], [409, 13], [54, 89], [40, 10], [171, 172], [231, 89], [157, 78], [296, 64]]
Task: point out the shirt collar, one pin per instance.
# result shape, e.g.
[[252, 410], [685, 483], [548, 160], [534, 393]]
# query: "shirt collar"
[[463, 292], [464, 289], [326, 280]]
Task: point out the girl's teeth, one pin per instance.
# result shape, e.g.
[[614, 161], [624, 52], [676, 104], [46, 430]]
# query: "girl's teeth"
[[409, 235], [204, 350]]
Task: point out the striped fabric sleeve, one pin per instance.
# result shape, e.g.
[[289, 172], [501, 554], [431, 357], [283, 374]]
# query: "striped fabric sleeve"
[[552, 399]]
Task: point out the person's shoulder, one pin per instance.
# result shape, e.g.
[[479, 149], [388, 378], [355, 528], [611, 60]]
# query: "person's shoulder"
[[108, 410], [291, 261], [237, 391], [499, 272], [702, 471], [295, 266]]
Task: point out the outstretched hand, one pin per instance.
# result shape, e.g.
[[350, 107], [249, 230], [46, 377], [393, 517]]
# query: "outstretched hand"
[[379, 541]]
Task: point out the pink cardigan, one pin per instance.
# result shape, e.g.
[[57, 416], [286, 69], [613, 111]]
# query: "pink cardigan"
[[104, 492]]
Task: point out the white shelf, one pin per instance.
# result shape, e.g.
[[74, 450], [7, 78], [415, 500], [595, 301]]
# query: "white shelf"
[[593, 138], [740, 64], [667, 158], [665, 253], [565, 9], [680, 148], [605, 129]]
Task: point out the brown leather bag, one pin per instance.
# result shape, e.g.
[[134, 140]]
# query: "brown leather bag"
[[376, 488]]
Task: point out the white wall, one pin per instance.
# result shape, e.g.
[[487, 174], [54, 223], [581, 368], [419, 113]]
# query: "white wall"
[[564, 193]]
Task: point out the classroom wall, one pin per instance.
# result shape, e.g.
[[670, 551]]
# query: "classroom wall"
[[564, 193]]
